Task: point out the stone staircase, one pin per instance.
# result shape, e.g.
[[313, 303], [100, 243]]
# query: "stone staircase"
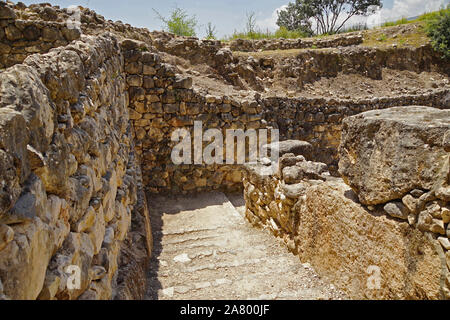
[[204, 249]]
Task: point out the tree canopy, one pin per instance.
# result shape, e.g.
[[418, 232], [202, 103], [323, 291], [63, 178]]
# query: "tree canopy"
[[325, 16]]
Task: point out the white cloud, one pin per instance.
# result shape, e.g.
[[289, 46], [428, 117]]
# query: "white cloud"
[[270, 22], [400, 9], [409, 8]]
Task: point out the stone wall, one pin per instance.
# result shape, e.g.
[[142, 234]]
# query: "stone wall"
[[41, 27], [287, 44], [161, 102], [85, 129], [70, 176], [308, 66], [394, 221], [21, 38], [319, 121], [178, 45]]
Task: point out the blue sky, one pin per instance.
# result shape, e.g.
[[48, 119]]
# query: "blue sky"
[[226, 15]]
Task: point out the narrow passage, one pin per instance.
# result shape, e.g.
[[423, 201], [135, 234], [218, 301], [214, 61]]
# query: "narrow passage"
[[204, 249]]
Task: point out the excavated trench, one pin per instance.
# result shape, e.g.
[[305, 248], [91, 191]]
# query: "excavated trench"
[[81, 185], [205, 249], [205, 246]]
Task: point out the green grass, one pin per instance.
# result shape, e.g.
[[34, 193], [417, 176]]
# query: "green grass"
[[426, 17], [395, 23], [374, 37], [261, 35], [433, 15], [380, 37]]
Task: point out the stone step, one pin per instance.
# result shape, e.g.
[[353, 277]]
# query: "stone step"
[[241, 286], [205, 249], [213, 250], [218, 251], [226, 269]]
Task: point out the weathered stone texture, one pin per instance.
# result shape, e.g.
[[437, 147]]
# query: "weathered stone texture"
[[287, 44], [319, 120], [167, 103], [395, 220], [385, 155], [343, 241], [86, 119], [70, 175]]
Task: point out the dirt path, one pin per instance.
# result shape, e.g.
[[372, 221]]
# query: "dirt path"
[[205, 249]]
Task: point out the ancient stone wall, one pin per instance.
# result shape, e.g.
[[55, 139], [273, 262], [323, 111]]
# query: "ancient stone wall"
[[388, 238], [287, 44], [70, 176], [85, 129], [319, 121], [161, 102], [174, 44], [41, 27], [21, 38]]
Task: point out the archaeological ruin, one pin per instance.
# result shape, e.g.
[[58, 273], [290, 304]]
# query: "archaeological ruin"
[[358, 208]]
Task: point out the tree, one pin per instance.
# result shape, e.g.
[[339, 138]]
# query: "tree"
[[439, 31], [179, 23], [250, 25], [294, 19], [210, 31], [329, 16]]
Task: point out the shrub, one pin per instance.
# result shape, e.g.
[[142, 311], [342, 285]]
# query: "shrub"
[[283, 32], [210, 31], [179, 23], [438, 29]]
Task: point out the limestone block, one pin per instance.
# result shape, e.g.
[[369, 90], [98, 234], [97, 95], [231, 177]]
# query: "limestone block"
[[291, 146], [346, 244], [13, 33], [14, 167], [62, 82], [23, 262], [397, 210], [385, 154], [22, 88], [77, 251], [31, 204], [6, 12], [6, 236]]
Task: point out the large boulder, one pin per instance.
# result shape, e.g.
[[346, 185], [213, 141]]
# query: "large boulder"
[[385, 154], [367, 254], [25, 258], [22, 89]]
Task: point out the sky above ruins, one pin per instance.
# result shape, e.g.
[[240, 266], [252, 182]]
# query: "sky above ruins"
[[229, 15]]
